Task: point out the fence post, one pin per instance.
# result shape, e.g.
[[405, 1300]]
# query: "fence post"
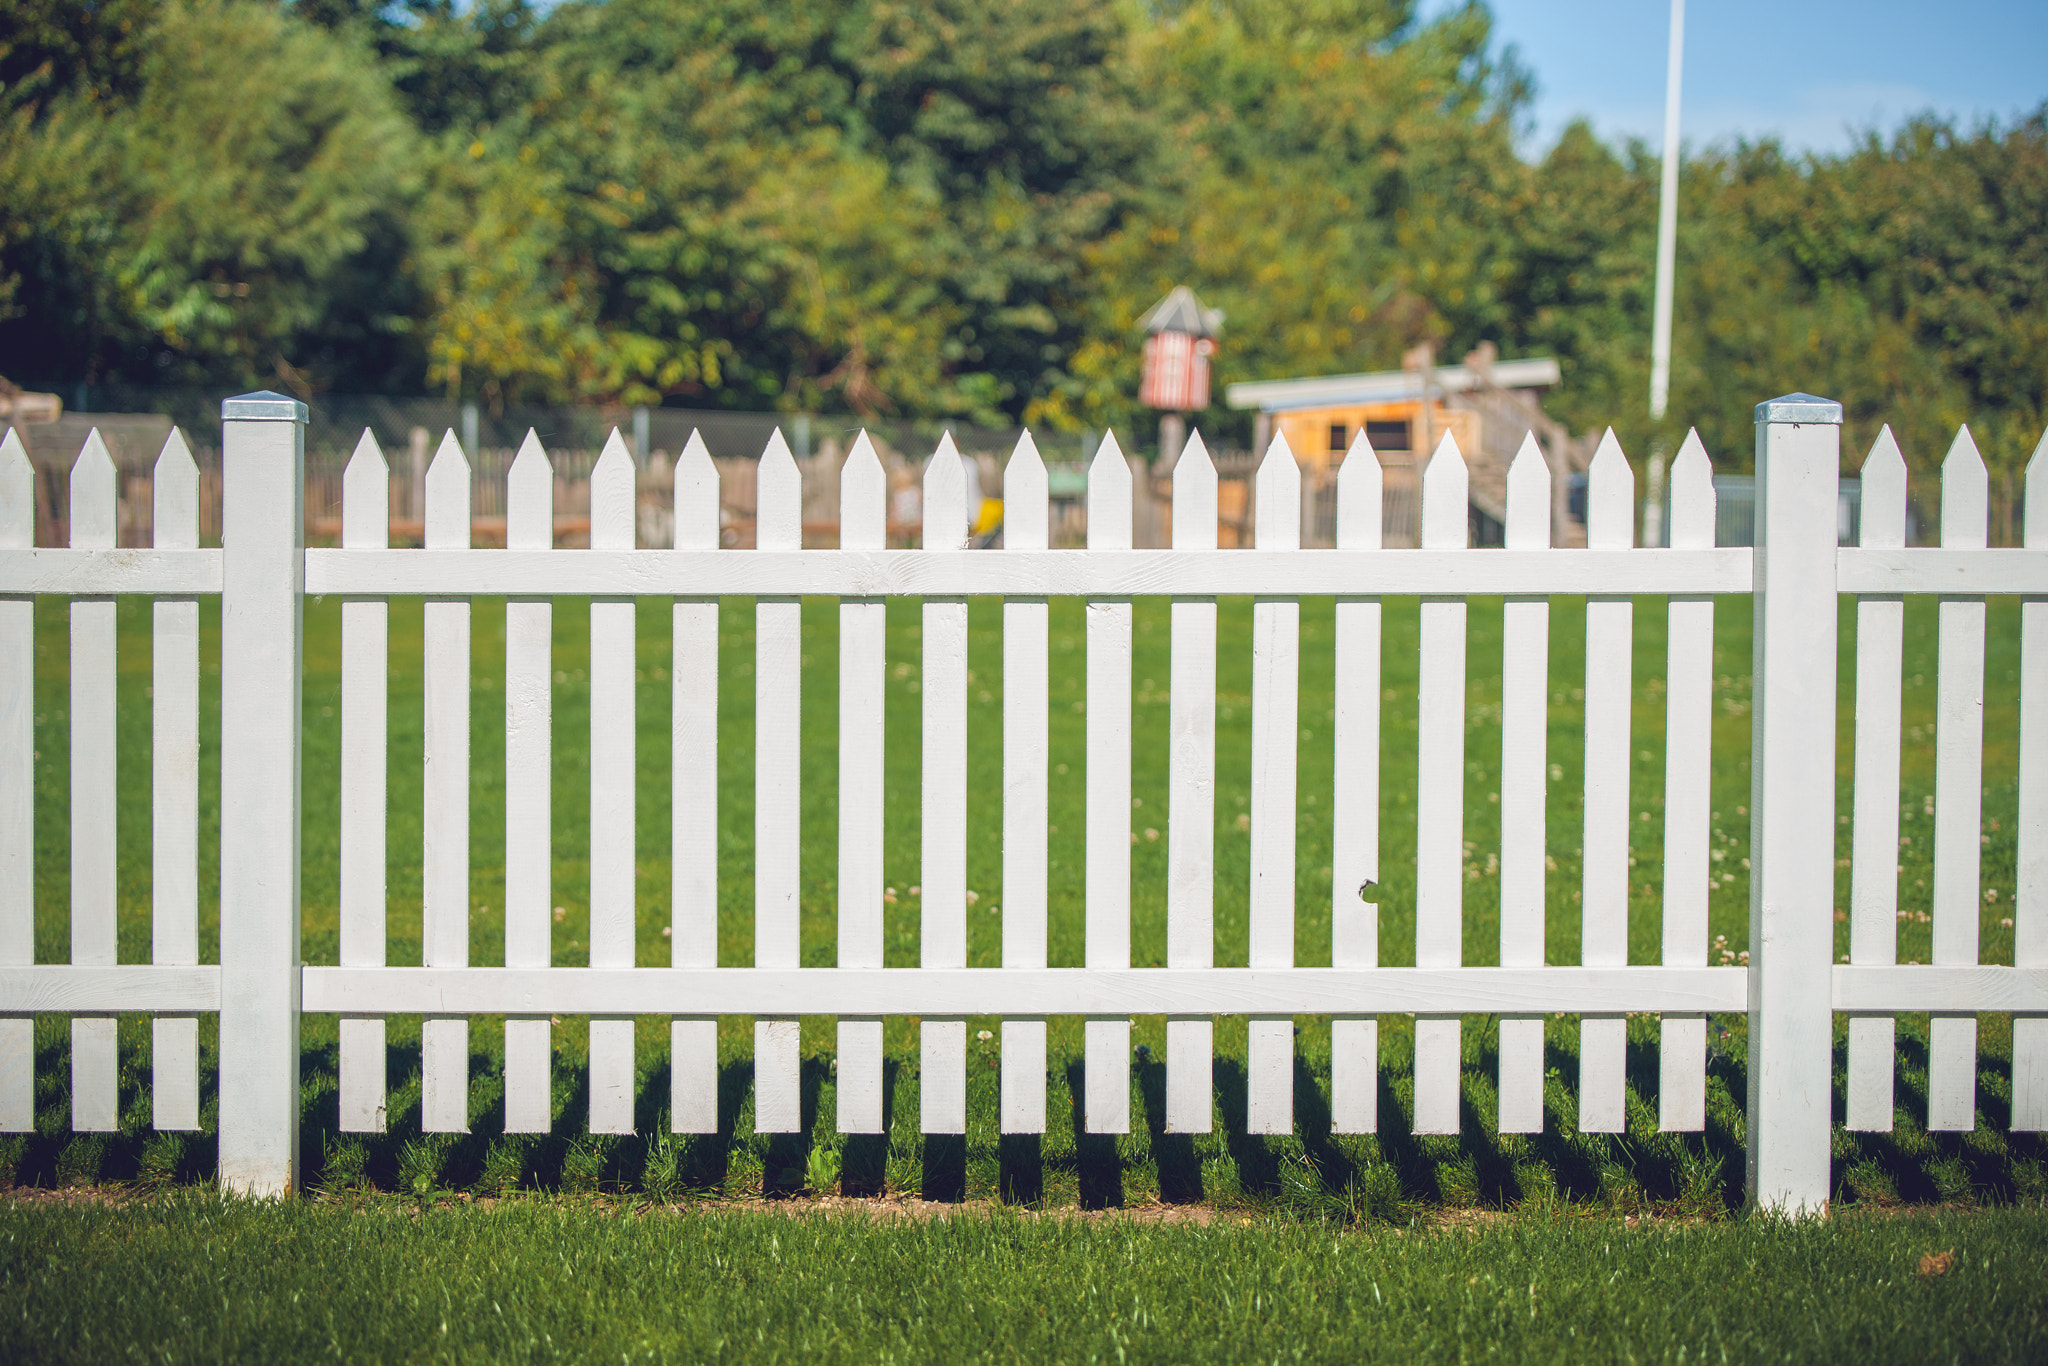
[[1792, 805], [263, 536]]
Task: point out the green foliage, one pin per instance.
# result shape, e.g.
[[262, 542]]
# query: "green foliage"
[[948, 209]]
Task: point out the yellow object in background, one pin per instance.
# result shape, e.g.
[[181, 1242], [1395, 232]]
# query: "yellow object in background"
[[988, 519]]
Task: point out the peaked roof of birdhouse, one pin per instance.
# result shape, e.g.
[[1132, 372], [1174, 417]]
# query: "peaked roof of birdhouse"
[[1181, 311]]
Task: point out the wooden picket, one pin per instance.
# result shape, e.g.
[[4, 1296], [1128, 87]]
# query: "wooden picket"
[[1791, 989]]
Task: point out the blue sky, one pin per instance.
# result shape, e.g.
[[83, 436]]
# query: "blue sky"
[[1807, 72]]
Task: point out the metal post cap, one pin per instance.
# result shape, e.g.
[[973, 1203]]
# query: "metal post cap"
[[1800, 408], [262, 406]]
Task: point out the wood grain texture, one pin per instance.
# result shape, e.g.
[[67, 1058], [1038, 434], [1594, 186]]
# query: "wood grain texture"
[[863, 661], [1524, 789], [1958, 788], [1276, 726], [1610, 525], [17, 784], [613, 767], [1688, 793], [778, 792], [2030, 899], [693, 794], [1065, 991], [444, 1043], [1874, 832], [95, 1101], [1355, 796], [529, 804], [1440, 793], [1026, 769], [1106, 1055], [1116, 573], [365, 708], [1191, 795]]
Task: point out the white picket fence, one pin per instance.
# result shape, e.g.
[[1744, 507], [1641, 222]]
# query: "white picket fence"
[[1790, 988]]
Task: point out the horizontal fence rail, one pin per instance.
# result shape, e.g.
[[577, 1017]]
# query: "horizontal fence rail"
[[1791, 987]]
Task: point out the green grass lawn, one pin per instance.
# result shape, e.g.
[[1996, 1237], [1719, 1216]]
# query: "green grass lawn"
[[190, 1276], [1389, 1175]]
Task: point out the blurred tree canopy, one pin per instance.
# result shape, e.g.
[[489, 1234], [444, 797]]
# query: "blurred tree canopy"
[[943, 209]]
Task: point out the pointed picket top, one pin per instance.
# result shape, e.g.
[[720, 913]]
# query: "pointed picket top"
[[1027, 522], [366, 497], [1361, 494], [1276, 497], [17, 494], [696, 493], [1693, 503], [1965, 496], [95, 501], [778, 498], [1109, 497], [2034, 535], [1446, 498], [1194, 497], [174, 497], [1528, 525], [614, 496], [863, 498], [530, 497], [945, 498], [1610, 498], [448, 497], [1883, 516]]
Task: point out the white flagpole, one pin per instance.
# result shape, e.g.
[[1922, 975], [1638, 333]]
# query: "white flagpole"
[[1667, 221]]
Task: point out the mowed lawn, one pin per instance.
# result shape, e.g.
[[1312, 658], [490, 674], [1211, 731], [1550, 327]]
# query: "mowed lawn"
[[1391, 1175]]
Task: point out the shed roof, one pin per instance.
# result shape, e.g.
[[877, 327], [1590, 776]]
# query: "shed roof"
[[1384, 386]]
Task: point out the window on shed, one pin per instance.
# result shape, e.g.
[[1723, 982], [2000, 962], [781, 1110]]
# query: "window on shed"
[[1338, 434], [1388, 436]]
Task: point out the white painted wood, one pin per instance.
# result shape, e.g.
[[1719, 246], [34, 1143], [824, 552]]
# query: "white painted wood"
[[1276, 706], [1191, 796], [1091, 573], [1874, 851], [778, 1090], [1973, 572], [1440, 793], [1026, 762], [1108, 875], [365, 693], [778, 796], [1958, 789], [942, 873], [1355, 798], [529, 791], [444, 1041], [145, 989], [17, 784], [1688, 792], [613, 883], [863, 662], [1524, 760], [1610, 525], [1966, 990], [693, 1079], [2030, 899], [79, 573], [95, 1102], [174, 791], [1046, 991], [693, 788], [263, 531], [1792, 809]]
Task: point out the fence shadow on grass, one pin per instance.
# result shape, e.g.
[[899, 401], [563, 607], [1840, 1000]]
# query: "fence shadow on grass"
[[1179, 1165], [1098, 1166]]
